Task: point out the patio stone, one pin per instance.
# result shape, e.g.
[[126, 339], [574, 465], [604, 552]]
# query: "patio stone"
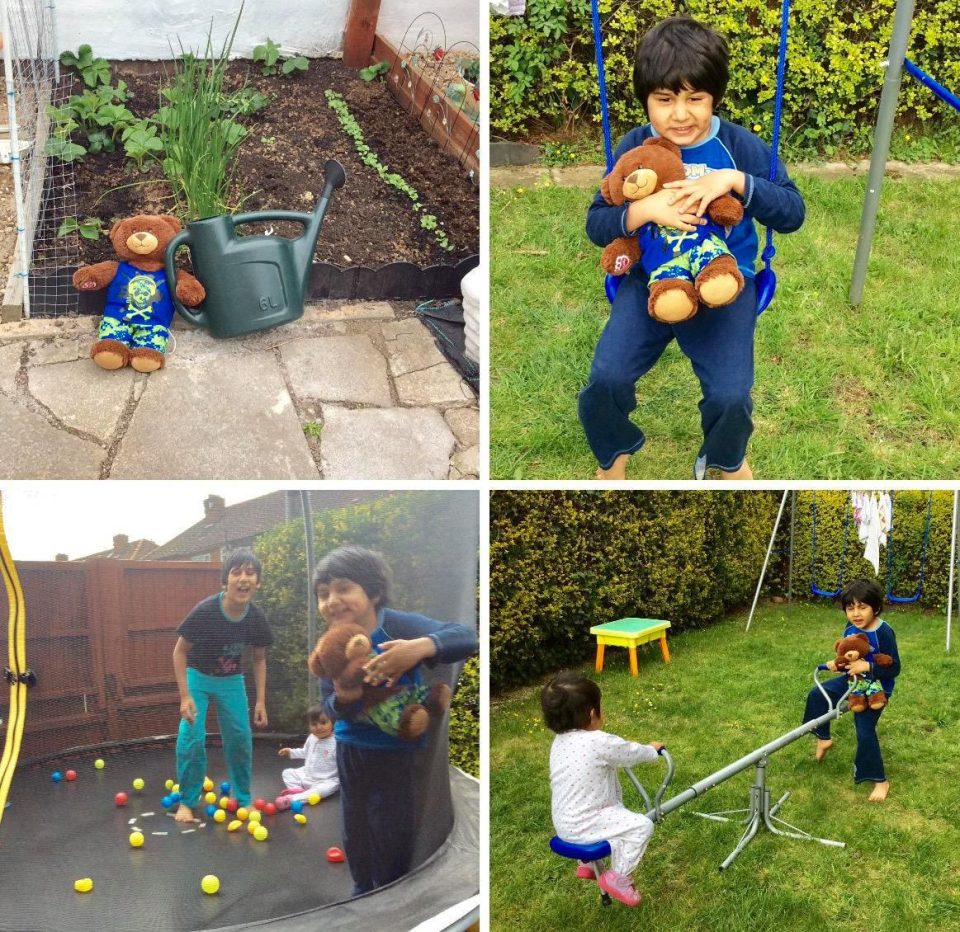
[[465, 464], [435, 386], [410, 347], [9, 366], [60, 349], [465, 424], [337, 369], [376, 310]]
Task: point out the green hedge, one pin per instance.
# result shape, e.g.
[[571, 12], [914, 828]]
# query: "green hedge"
[[909, 518], [563, 561], [542, 70], [429, 540]]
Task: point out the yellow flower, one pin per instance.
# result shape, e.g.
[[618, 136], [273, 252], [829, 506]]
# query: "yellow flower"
[[908, 137], [757, 127]]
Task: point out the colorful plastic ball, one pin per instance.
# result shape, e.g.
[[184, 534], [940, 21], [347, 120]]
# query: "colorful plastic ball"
[[166, 802], [85, 885], [252, 827], [211, 810], [121, 798], [136, 840], [313, 799], [168, 785], [335, 855], [270, 809], [207, 784], [210, 884], [224, 802], [301, 818], [282, 803], [296, 805], [232, 805], [99, 763], [210, 798], [234, 825], [242, 813], [71, 775], [259, 803], [225, 787], [56, 776], [174, 797], [175, 788], [139, 784], [261, 833], [219, 816], [255, 815]]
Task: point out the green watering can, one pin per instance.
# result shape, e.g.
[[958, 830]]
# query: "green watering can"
[[252, 282]]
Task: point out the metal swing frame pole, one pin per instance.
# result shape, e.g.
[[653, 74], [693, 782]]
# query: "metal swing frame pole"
[[766, 560], [953, 563], [902, 20]]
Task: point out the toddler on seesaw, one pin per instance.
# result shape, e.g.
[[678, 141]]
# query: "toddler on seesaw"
[[587, 801]]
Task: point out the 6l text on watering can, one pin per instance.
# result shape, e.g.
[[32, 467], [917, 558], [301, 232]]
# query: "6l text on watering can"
[[252, 282]]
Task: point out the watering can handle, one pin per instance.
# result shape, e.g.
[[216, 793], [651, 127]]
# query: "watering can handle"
[[193, 315]]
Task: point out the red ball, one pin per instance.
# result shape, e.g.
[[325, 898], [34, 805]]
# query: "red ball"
[[232, 805], [121, 799], [259, 803], [270, 809], [71, 775], [335, 855]]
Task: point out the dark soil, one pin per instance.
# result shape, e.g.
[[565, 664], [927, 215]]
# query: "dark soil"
[[280, 167]]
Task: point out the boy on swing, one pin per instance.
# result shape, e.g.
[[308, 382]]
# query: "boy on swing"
[[680, 74]]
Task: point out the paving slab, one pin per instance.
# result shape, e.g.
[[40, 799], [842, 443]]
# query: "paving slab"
[[82, 395], [224, 422], [337, 369], [376, 310], [10, 366], [410, 347], [42, 451], [465, 464], [465, 424], [438, 385], [59, 349], [391, 443]]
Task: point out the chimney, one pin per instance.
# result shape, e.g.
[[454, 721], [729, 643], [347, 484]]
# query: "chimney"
[[120, 541], [214, 507], [62, 558]]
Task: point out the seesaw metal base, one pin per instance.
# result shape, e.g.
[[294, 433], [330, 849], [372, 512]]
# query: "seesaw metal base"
[[761, 812]]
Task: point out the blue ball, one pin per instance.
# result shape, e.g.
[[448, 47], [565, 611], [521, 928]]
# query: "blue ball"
[[224, 787], [210, 810], [296, 805], [174, 798], [166, 802], [56, 776]]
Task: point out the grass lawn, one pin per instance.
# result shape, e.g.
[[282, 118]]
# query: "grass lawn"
[[725, 693], [841, 392]]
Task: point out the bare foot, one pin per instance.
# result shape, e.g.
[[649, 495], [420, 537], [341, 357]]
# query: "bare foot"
[[184, 814], [822, 747], [617, 471], [744, 472], [880, 791]]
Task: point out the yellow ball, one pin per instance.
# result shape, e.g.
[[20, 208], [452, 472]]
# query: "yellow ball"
[[234, 825], [136, 839], [219, 816], [313, 799], [261, 833], [169, 784], [255, 815], [252, 827], [83, 886], [242, 814], [175, 787], [223, 802], [210, 798], [300, 817], [207, 784], [210, 884], [99, 764], [139, 784]]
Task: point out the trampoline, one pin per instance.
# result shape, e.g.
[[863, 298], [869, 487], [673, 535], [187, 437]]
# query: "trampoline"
[[54, 833]]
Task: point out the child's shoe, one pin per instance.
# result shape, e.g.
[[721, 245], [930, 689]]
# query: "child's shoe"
[[620, 888], [585, 871]]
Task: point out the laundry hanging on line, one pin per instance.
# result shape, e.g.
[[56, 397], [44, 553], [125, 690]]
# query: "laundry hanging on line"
[[873, 512]]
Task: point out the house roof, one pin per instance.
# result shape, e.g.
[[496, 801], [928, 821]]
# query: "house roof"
[[124, 549], [235, 525]]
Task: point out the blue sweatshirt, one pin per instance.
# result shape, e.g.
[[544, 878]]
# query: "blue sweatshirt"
[[776, 204], [454, 642], [882, 641]]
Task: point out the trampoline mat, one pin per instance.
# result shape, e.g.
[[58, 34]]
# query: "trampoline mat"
[[56, 833]]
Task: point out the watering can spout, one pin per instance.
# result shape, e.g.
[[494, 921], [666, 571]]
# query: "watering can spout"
[[333, 178]]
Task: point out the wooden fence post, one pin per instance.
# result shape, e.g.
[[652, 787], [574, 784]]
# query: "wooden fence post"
[[359, 32]]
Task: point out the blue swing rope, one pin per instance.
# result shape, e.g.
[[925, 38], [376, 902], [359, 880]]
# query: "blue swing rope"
[[906, 599], [814, 588], [766, 279]]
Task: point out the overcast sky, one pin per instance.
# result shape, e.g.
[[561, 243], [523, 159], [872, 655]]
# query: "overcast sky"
[[43, 519]]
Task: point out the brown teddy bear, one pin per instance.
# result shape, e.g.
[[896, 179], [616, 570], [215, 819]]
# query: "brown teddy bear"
[[404, 711], [136, 321], [867, 691], [684, 269]]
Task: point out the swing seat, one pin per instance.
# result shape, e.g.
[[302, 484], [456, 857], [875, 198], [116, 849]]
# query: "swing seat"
[[611, 285], [589, 854]]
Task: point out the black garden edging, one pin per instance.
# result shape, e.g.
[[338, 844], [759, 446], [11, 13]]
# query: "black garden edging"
[[398, 280]]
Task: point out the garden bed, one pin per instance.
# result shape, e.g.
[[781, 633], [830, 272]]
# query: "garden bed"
[[369, 226]]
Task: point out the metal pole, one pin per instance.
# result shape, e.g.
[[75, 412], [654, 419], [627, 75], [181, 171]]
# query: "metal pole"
[[953, 564], [793, 524], [902, 19], [313, 689], [763, 572]]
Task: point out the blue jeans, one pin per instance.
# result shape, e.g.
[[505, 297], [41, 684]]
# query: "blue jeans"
[[231, 700], [868, 764], [719, 344]]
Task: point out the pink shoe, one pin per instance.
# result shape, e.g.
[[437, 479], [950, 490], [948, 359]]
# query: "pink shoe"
[[620, 888], [282, 803], [585, 871]]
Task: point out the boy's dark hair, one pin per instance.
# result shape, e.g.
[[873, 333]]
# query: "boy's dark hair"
[[863, 590], [681, 53], [367, 568], [567, 701], [316, 713], [238, 558]]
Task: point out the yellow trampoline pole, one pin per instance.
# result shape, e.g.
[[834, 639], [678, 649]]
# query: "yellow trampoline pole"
[[17, 674]]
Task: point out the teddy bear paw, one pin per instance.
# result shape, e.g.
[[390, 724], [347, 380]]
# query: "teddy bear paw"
[[144, 359], [672, 301], [413, 722], [110, 354]]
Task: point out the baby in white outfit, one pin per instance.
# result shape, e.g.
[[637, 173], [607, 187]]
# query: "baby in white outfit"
[[319, 755]]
